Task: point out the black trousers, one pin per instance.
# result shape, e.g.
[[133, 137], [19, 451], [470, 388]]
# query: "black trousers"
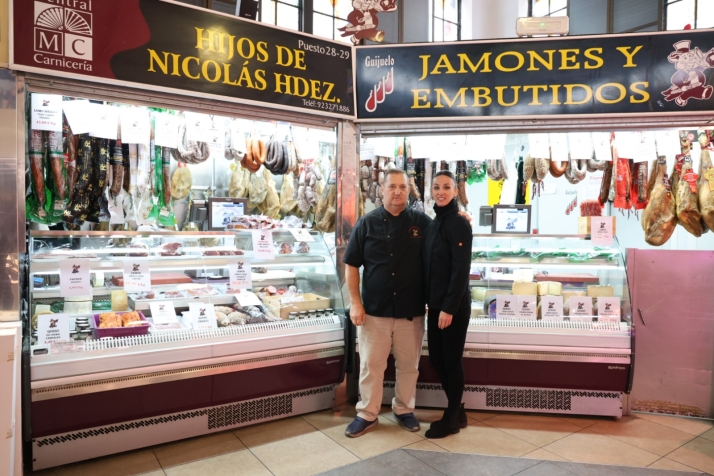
[[446, 351]]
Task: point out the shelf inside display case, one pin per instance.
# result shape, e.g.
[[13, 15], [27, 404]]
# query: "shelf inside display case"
[[238, 329]]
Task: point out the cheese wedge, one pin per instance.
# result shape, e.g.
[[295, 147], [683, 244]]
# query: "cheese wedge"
[[478, 294], [525, 289], [542, 288], [119, 301], [555, 288], [601, 291]]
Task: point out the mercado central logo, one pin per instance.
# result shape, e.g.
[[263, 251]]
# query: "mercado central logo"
[[63, 33]]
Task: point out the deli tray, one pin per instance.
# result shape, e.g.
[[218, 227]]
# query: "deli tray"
[[217, 299]]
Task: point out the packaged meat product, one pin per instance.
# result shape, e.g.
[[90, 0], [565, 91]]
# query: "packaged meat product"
[[116, 163], [285, 248], [174, 295], [575, 171], [660, 216], [557, 169], [181, 183], [146, 295], [198, 289], [623, 184], [190, 152], [303, 248], [605, 185], [37, 169]]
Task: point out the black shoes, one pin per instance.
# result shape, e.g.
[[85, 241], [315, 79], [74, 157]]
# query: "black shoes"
[[450, 424]]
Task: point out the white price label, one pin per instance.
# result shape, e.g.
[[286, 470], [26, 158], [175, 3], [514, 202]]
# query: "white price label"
[[263, 244], [52, 328], [77, 115], [217, 137], [559, 147], [166, 128], [240, 275], [608, 309], [601, 144], [204, 315], [581, 308], [74, 278], [135, 126], [163, 313], [105, 121], [506, 305], [539, 146], [197, 126], [248, 298], [668, 143], [526, 307], [645, 146], [551, 308], [137, 275], [601, 231], [627, 144], [46, 112], [581, 146], [302, 234]]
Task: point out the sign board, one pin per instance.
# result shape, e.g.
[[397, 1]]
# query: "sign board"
[[551, 308], [204, 315], [240, 274], [52, 328], [608, 309], [137, 275], [263, 244], [183, 49], [665, 73], [163, 313], [74, 278]]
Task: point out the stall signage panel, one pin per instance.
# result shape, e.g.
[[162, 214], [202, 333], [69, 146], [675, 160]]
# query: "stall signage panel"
[[157, 43], [641, 73]]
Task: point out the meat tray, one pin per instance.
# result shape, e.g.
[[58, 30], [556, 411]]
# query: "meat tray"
[[158, 279], [217, 299], [117, 332]]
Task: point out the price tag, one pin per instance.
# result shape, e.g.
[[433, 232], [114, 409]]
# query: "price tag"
[[539, 146], [601, 144], [551, 308], [601, 231], [263, 244], [217, 137], [668, 143], [581, 308], [496, 146], [74, 278], [248, 298], [197, 126], [105, 121], [526, 307], [506, 306], [366, 151], [46, 112], [559, 147], [137, 275], [608, 309], [204, 315], [135, 126], [77, 116], [645, 146], [240, 275], [166, 128], [52, 328], [302, 234], [696, 155], [581, 146], [626, 144], [116, 211], [163, 313]]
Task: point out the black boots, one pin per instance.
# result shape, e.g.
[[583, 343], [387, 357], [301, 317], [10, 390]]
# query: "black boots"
[[449, 424]]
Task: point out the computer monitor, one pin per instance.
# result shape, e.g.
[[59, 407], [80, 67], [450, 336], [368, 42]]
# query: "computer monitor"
[[224, 211], [511, 219]]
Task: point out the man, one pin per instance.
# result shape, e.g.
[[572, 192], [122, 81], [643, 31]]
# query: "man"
[[389, 314]]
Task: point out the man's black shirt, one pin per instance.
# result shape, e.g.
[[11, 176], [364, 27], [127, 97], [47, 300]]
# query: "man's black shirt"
[[390, 249]]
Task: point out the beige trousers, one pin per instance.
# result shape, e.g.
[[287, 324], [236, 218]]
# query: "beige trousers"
[[377, 337]]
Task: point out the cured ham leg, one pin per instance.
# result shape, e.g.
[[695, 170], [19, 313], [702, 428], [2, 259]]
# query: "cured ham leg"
[[660, 216], [705, 188], [687, 203]]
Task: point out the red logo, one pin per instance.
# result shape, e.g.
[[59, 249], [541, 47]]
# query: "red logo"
[[380, 91]]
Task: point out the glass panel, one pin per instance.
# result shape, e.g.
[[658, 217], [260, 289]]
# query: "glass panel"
[[267, 11], [439, 8], [438, 30], [323, 6], [556, 5], [588, 17], [451, 10], [288, 17], [680, 14], [705, 14], [322, 25], [629, 14], [343, 8], [295, 3], [540, 8], [198, 3], [451, 32], [224, 6]]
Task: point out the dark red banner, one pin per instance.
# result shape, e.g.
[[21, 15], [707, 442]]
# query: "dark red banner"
[[157, 43]]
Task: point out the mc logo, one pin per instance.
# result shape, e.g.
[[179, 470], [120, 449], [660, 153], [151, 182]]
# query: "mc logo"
[[64, 31]]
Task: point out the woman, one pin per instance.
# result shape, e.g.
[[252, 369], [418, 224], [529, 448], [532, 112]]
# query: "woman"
[[447, 260]]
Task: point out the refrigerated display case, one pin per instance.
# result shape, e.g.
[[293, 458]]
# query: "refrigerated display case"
[[561, 364], [92, 396]]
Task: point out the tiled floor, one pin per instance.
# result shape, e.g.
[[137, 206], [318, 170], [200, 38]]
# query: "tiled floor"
[[514, 443]]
